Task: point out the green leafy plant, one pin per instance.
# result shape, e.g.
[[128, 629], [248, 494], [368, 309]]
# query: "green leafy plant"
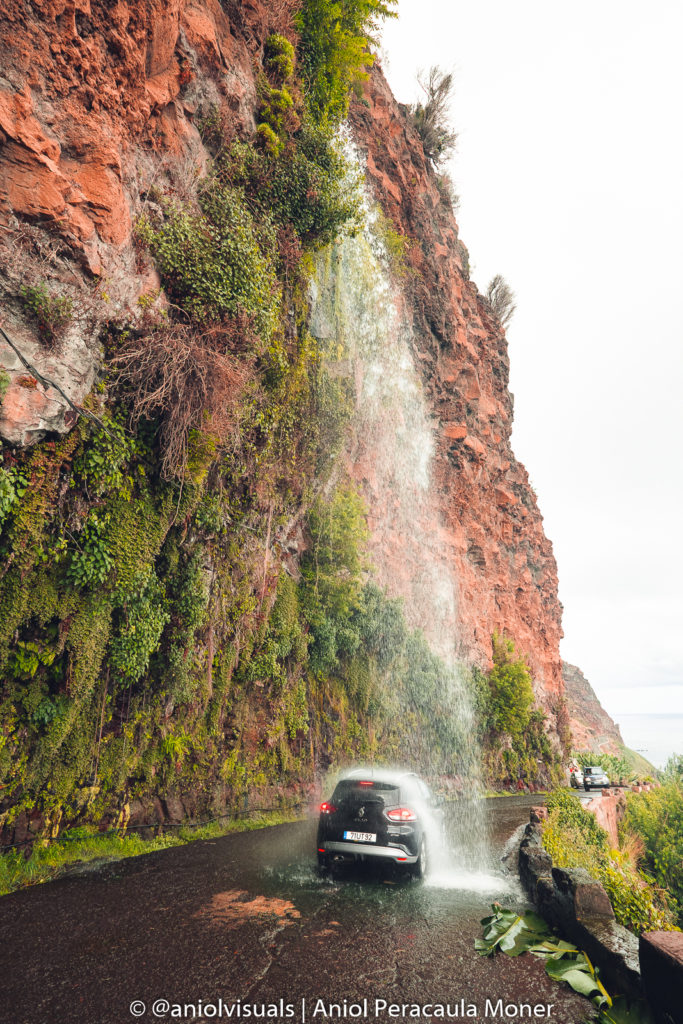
[[511, 694], [334, 36], [515, 934], [176, 747], [270, 140], [573, 838], [28, 656], [279, 57], [51, 313], [91, 561], [214, 263], [310, 188], [510, 933], [104, 458], [13, 486], [142, 616]]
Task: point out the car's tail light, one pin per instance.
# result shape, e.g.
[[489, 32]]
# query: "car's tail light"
[[402, 814], [327, 808], [366, 783]]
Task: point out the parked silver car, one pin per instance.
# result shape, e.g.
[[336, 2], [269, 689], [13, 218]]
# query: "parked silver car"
[[595, 778], [576, 778]]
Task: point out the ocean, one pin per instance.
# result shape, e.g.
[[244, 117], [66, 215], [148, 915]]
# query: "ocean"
[[656, 737]]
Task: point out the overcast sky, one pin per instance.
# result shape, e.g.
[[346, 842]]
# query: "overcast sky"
[[569, 171]]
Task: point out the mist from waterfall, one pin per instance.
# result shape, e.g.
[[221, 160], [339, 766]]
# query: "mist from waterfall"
[[359, 316]]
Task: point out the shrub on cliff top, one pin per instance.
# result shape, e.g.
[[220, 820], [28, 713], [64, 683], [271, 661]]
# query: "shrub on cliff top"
[[333, 50]]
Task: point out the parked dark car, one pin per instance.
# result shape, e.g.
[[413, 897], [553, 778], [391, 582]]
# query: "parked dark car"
[[376, 814], [594, 778]]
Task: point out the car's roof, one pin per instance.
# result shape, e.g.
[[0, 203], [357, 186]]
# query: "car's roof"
[[391, 775]]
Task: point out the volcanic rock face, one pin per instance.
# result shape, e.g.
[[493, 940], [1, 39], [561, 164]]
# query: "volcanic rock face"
[[97, 100], [592, 728], [96, 103], [494, 540]]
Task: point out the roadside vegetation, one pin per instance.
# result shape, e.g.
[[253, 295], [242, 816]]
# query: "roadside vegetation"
[[654, 821], [619, 769], [85, 848], [574, 839]]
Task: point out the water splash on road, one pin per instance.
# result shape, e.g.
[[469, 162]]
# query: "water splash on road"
[[360, 316]]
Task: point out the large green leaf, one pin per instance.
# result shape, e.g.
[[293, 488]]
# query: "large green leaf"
[[575, 974], [528, 933], [553, 949], [512, 933]]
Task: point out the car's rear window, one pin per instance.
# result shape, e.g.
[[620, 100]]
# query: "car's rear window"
[[356, 787]]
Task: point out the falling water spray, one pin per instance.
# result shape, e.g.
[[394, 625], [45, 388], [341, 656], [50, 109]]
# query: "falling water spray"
[[360, 318]]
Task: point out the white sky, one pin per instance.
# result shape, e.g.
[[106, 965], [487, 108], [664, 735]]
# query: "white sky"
[[569, 168]]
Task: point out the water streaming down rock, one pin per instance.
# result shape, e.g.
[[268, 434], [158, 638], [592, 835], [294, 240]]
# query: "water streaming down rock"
[[359, 314]]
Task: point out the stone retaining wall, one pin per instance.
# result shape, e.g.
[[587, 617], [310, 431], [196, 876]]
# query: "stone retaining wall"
[[578, 906]]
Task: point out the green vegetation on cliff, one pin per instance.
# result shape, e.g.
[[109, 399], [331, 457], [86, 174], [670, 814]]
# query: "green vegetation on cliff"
[[334, 50], [150, 643], [656, 819], [574, 839], [186, 612], [515, 743]]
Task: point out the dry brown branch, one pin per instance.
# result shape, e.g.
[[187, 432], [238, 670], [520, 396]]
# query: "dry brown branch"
[[281, 15], [191, 379], [501, 299]]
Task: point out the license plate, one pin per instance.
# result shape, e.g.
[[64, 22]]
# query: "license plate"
[[361, 837]]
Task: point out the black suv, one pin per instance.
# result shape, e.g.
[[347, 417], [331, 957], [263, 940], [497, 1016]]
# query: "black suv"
[[378, 814]]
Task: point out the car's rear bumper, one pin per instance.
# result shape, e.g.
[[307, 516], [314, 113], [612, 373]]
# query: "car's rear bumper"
[[367, 850]]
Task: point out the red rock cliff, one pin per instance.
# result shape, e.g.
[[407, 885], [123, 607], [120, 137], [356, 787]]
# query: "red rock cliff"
[[592, 728], [96, 99], [503, 562]]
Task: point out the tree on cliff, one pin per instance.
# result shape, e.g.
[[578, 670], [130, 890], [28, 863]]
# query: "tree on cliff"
[[431, 118], [501, 299]]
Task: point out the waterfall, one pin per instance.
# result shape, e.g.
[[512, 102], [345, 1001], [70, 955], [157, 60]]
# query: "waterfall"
[[359, 316]]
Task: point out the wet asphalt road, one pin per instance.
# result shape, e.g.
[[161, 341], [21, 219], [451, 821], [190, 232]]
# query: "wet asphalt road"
[[245, 919]]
